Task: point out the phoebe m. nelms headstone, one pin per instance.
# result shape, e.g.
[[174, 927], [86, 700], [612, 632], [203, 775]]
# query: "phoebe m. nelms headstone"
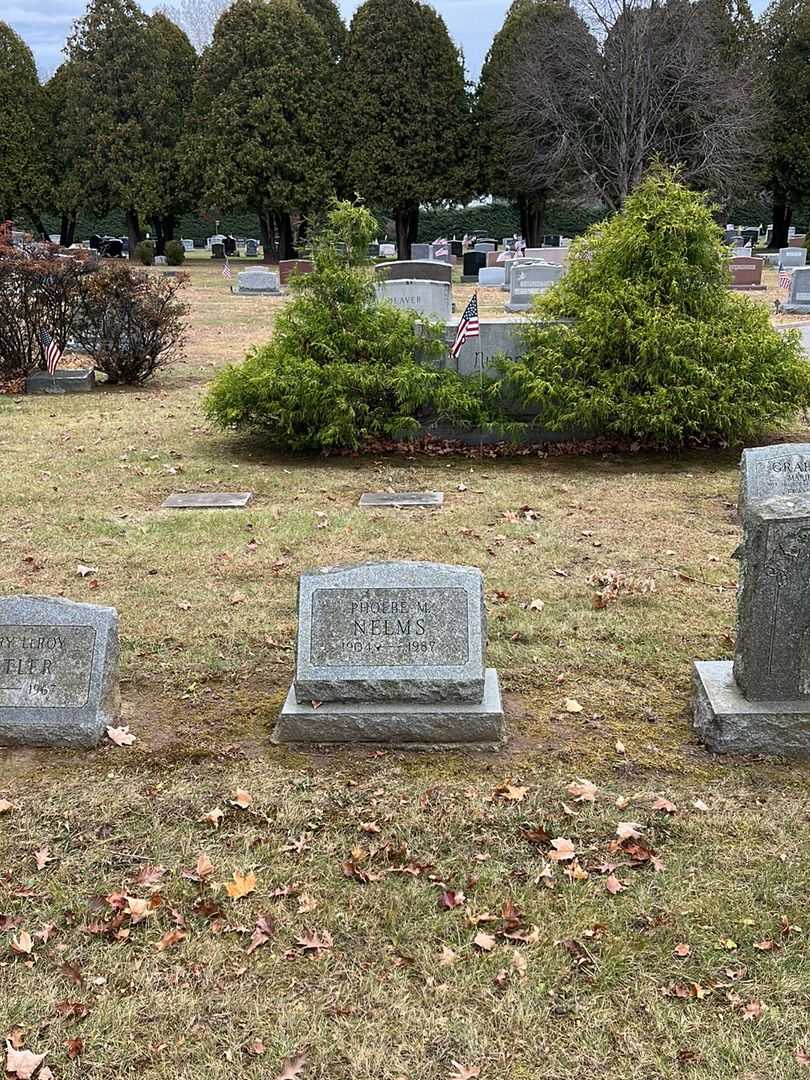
[[58, 672], [392, 653], [760, 703]]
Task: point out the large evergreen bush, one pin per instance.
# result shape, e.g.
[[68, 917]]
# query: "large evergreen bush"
[[661, 349], [341, 368]]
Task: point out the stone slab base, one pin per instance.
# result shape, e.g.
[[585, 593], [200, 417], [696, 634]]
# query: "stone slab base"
[[257, 292], [67, 381], [522, 308], [468, 279], [796, 309], [749, 288], [398, 724], [728, 723]]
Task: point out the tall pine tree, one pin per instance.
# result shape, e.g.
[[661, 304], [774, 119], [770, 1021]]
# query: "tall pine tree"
[[407, 133], [262, 118]]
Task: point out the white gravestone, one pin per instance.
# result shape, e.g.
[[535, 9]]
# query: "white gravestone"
[[431, 298], [526, 282]]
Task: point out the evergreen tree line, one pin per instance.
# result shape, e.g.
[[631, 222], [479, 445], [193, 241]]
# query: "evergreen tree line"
[[286, 107]]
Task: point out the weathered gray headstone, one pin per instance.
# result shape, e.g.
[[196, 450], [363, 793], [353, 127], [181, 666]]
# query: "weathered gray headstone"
[[431, 298], [420, 251], [526, 282], [766, 472], [256, 282], [414, 270], [375, 500], [792, 256], [393, 653], [485, 247], [188, 245], [798, 301], [63, 381], [491, 276], [761, 702], [208, 500], [58, 672]]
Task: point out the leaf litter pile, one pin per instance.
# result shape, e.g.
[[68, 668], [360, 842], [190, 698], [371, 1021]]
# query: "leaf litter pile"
[[384, 927]]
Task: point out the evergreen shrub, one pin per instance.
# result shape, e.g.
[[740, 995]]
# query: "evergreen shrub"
[[341, 368], [175, 253], [661, 349]]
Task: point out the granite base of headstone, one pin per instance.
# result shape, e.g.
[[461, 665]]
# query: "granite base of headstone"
[[66, 381], [256, 282], [59, 682], [392, 653], [760, 702], [414, 270]]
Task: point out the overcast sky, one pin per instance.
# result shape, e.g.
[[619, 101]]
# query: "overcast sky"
[[45, 24]]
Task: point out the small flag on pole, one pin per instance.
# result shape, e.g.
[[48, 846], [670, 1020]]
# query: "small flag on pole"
[[53, 354], [784, 279], [441, 249], [469, 327], [226, 270]]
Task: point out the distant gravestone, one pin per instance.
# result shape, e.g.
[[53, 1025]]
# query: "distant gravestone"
[[373, 251], [58, 672], [491, 276], [208, 500], [388, 251], [526, 282], [251, 249], [188, 245], [257, 282], [217, 250], [457, 248], [767, 472], [229, 244], [746, 273], [473, 262], [761, 702], [751, 236], [414, 270], [485, 246], [555, 256], [798, 301], [288, 267], [161, 260], [376, 500], [392, 653], [792, 256], [431, 298], [420, 251]]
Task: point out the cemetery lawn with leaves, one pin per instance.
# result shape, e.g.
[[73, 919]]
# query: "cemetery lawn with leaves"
[[202, 903]]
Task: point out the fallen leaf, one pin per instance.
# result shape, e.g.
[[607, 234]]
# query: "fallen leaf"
[[447, 957], [203, 868], [170, 938], [23, 944], [682, 950], [214, 817], [306, 904], [86, 571], [508, 793], [572, 705], [563, 849], [121, 736], [312, 941], [292, 1068], [620, 747], [753, 1010], [485, 942], [242, 885], [583, 790], [536, 605], [802, 1056], [237, 598], [265, 928], [464, 1072], [23, 1063], [665, 806], [241, 799], [628, 830], [451, 898], [76, 1010], [5, 806], [614, 886], [75, 1047]]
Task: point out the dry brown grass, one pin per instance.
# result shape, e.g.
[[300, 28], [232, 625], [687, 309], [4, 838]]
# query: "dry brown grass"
[[208, 620]]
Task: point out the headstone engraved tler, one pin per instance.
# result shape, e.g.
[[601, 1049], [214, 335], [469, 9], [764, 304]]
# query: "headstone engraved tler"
[[393, 653], [761, 701], [58, 672]]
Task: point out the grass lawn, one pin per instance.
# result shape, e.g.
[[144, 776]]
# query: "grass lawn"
[[408, 919]]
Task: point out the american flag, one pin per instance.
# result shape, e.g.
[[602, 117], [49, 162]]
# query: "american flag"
[[226, 270], [441, 249], [784, 279], [469, 327], [53, 354]]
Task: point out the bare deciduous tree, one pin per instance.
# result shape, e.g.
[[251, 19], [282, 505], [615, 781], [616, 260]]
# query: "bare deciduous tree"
[[652, 80], [197, 17]]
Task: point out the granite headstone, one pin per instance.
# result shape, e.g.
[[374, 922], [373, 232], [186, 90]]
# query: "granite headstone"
[[798, 302], [58, 672], [255, 282], [393, 653], [431, 298], [526, 282], [414, 270]]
